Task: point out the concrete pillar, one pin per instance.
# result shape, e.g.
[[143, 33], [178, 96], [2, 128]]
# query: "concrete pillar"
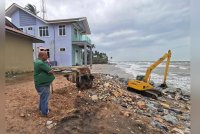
[[90, 56], [85, 55]]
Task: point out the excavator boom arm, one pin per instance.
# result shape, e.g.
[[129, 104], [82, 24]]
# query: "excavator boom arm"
[[155, 64]]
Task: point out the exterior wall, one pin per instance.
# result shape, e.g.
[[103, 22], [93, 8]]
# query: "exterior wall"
[[49, 40], [79, 56], [54, 42], [15, 18], [26, 19], [64, 58], [18, 53]]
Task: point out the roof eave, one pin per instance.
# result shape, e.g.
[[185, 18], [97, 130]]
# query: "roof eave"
[[34, 39]]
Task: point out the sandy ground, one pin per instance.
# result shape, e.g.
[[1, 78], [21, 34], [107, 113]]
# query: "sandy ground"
[[72, 111], [22, 114], [110, 69]]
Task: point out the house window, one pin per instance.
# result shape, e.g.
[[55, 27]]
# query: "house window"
[[30, 28], [61, 30], [62, 49], [21, 29], [43, 31]]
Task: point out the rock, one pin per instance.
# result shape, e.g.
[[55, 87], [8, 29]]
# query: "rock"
[[177, 111], [49, 122], [164, 105], [127, 99], [118, 129], [94, 97], [125, 113], [172, 90], [176, 130], [50, 126], [187, 131], [141, 104], [177, 97], [116, 94], [185, 93], [108, 77], [124, 105], [151, 106], [147, 114], [22, 115], [160, 126], [160, 110], [171, 119], [169, 96], [187, 107], [159, 119], [185, 98], [188, 125], [106, 85], [124, 80], [186, 117]]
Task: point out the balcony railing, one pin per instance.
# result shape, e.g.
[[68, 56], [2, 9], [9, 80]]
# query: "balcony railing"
[[80, 37]]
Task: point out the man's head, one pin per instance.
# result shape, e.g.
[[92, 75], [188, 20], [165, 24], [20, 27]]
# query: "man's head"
[[43, 55]]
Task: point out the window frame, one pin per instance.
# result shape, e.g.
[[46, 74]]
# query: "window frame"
[[43, 30], [62, 30], [30, 29], [21, 29], [62, 50]]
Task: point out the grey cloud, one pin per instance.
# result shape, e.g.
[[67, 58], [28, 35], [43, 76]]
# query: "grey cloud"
[[126, 25]]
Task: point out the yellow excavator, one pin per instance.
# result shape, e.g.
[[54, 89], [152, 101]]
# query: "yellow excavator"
[[143, 85]]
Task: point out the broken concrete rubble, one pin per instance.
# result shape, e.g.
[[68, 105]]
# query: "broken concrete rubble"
[[165, 107]]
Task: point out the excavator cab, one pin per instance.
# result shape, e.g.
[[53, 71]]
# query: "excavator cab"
[[143, 84]]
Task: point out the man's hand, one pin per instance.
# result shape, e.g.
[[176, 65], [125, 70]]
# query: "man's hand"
[[52, 72]]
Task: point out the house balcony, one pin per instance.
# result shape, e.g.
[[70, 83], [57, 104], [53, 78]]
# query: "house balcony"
[[81, 40]]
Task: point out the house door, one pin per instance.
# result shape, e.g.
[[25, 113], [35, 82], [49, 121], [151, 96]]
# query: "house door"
[[76, 57]]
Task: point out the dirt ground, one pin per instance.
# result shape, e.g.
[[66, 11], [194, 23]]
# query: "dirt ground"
[[72, 110]]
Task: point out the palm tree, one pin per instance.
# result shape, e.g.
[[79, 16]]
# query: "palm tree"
[[32, 9], [93, 46]]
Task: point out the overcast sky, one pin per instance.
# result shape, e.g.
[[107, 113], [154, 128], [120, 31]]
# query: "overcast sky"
[[129, 30]]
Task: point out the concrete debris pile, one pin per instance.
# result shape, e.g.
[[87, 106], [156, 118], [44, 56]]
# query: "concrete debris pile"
[[170, 113]]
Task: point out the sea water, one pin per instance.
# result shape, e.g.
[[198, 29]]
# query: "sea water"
[[178, 73]]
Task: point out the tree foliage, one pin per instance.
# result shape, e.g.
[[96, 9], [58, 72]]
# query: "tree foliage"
[[99, 58], [31, 8]]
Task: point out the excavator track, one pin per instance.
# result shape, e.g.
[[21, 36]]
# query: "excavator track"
[[153, 93]]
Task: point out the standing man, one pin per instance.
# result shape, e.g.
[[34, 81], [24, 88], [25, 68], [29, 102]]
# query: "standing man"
[[43, 77]]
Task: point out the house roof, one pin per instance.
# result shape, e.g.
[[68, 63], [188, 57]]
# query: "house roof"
[[10, 24], [10, 10], [13, 29]]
